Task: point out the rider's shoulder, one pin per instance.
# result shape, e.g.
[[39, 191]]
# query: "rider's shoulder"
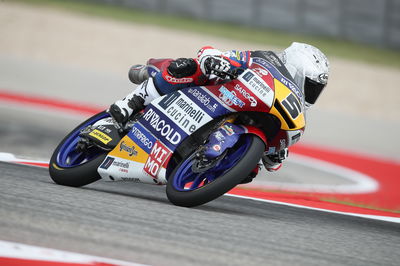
[[273, 59]]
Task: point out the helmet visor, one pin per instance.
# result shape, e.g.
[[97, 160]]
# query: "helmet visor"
[[312, 90]]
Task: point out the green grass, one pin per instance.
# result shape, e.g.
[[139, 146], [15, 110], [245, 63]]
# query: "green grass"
[[332, 47]]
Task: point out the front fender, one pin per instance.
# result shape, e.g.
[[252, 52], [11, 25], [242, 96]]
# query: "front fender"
[[258, 132]]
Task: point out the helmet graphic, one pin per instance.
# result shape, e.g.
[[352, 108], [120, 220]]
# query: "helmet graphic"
[[309, 68]]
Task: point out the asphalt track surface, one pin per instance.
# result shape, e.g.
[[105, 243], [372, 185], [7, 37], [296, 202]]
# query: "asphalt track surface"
[[136, 222]]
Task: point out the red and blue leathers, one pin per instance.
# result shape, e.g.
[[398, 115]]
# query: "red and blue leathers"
[[166, 82]]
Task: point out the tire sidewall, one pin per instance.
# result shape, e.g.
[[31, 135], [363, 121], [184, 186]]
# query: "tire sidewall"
[[78, 175]]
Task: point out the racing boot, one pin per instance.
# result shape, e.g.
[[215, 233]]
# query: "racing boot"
[[273, 162], [134, 102], [138, 74]]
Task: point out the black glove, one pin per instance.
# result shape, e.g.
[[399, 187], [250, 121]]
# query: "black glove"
[[182, 67]]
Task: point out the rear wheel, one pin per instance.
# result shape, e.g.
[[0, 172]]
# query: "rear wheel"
[[70, 166], [188, 188]]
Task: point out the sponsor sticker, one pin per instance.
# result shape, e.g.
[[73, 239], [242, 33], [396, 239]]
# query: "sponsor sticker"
[[293, 136], [207, 103], [292, 87], [183, 112], [142, 137], [216, 147], [131, 179], [228, 129], [204, 99], [158, 156], [282, 143], [261, 72], [219, 136], [162, 126], [229, 97], [107, 162], [258, 86], [128, 148], [275, 72], [100, 136], [246, 94], [121, 164], [178, 80]]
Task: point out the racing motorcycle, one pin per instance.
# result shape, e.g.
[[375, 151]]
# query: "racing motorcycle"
[[199, 141]]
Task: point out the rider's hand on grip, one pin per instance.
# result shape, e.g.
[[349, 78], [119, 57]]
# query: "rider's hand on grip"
[[215, 65]]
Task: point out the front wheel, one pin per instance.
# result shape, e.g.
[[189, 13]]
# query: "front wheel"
[[188, 189], [71, 167]]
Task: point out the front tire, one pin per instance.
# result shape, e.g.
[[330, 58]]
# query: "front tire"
[[183, 187], [70, 168]]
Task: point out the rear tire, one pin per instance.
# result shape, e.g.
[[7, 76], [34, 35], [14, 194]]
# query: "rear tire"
[[228, 180], [77, 175]]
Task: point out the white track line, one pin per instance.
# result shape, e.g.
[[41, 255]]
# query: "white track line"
[[10, 158], [374, 217], [27, 252]]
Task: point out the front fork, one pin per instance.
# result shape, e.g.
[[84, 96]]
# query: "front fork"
[[223, 138]]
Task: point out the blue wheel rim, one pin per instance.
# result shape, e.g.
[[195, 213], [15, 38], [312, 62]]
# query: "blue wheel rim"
[[186, 180], [68, 156]]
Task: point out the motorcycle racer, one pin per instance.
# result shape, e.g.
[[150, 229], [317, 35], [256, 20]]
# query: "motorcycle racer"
[[304, 64]]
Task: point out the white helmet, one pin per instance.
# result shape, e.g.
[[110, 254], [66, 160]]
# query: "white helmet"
[[309, 68]]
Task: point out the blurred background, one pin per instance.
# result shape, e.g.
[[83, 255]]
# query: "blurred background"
[[368, 21]]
